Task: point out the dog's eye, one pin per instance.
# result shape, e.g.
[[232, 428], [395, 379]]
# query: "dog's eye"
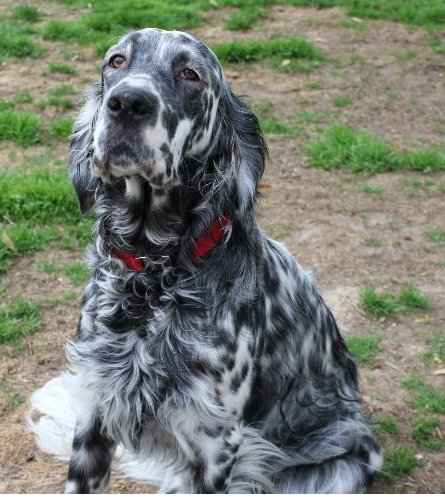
[[190, 75], [117, 61]]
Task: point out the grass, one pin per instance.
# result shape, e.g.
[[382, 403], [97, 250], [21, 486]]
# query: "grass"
[[18, 319], [24, 128], [364, 349], [435, 235], [386, 303], [424, 397], [342, 101], [14, 42], [426, 13], [245, 18], [39, 208], [388, 425], [425, 433], [61, 68], [359, 151], [108, 19], [62, 127], [435, 352], [400, 461], [77, 273], [277, 49], [25, 12]]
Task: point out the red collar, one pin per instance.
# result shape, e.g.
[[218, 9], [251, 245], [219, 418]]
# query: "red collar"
[[202, 245]]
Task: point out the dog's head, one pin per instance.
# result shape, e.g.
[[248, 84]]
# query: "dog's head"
[[163, 104]]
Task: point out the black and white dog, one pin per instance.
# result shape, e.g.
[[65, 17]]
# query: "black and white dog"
[[203, 348]]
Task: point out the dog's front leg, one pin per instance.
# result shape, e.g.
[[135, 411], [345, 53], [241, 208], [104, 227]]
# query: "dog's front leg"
[[218, 451], [89, 469]]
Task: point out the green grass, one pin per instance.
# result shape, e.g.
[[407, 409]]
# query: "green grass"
[[364, 349], [386, 303], [24, 128], [25, 12], [77, 273], [108, 19], [14, 42], [435, 235], [62, 127], [243, 19], [426, 13], [24, 97], [277, 49], [425, 433], [359, 151], [388, 425], [378, 305], [61, 68], [372, 190], [400, 461], [342, 101], [435, 352], [39, 208], [18, 319], [272, 125], [47, 267], [424, 397]]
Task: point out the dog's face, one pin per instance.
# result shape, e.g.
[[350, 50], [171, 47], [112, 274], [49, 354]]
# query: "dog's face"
[[163, 99], [160, 97]]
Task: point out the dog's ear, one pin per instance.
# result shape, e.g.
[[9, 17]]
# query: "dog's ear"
[[80, 171], [241, 138]]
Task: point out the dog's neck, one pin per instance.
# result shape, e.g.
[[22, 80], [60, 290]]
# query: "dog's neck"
[[146, 224]]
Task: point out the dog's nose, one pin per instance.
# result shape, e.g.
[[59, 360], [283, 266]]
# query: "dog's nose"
[[128, 101]]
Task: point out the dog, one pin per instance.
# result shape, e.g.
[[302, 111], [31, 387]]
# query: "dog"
[[203, 349]]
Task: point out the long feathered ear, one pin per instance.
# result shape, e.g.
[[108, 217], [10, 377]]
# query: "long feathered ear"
[[241, 140], [80, 170]]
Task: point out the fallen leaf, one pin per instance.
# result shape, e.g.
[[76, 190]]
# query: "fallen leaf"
[[8, 242], [439, 372]]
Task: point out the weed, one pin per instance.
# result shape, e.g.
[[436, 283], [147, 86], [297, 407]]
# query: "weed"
[[425, 397], [400, 461], [342, 101], [436, 349], [24, 97], [47, 267], [315, 86], [108, 19], [425, 433], [18, 319], [243, 19], [385, 303], [62, 127], [372, 190], [279, 48], [359, 151], [14, 399], [61, 68], [364, 349], [41, 196], [388, 425], [15, 43], [435, 235], [61, 91], [378, 305], [77, 273], [410, 298], [22, 127], [273, 126], [25, 12]]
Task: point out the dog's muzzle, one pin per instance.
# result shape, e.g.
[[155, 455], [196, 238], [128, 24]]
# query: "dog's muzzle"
[[129, 105]]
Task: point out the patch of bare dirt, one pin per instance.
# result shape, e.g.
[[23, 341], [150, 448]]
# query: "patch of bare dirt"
[[349, 238]]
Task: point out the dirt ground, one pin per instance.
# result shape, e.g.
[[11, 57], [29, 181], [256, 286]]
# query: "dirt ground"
[[349, 238]]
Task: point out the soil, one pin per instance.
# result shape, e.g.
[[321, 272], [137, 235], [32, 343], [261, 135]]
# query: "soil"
[[350, 239]]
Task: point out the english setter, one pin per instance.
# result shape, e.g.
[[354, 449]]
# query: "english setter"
[[203, 348]]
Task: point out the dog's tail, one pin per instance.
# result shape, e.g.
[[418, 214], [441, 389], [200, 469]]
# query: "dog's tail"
[[52, 418]]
